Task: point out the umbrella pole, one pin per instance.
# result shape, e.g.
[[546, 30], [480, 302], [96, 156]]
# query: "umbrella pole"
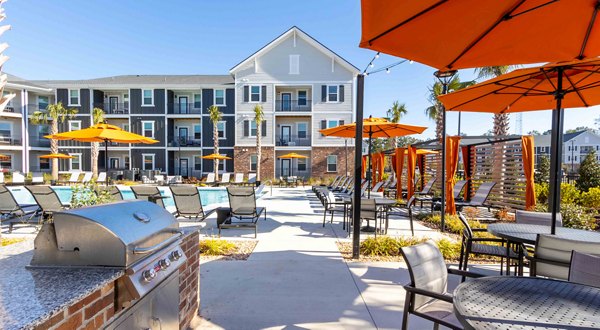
[[369, 169], [556, 152], [360, 93], [106, 161]]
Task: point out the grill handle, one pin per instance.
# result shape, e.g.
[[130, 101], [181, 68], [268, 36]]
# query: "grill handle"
[[150, 249]]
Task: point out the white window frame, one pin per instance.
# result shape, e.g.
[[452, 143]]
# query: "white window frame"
[[224, 129], [327, 163], [294, 64], [38, 101], [250, 94], [224, 104], [5, 93], [78, 104], [222, 166], [144, 161], [250, 128], [151, 97], [255, 165], [194, 131], [298, 129], [10, 128], [337, 122], [198, 161], [78, 156], [305, 160], [110, 162], [194, 101], [144, 128], [337, 88], [298, 97], [71, 122]]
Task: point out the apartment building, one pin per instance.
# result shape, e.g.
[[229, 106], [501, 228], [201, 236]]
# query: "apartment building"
[[301, 85], [576, 147]]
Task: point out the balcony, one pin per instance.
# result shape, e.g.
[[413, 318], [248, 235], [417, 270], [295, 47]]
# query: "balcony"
[[31, 108], [39, 141], [302, 105], [292, 141], [187, 172], [184, 109], [6, 140], [113, 108], [304, 171], [185, 141]]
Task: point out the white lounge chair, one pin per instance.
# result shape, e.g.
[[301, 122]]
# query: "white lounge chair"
[[252, 178], [1, 177], [37, 178], [239, 178], [101, 177], [18, 178], [87, 177], [74, 178], [210, 178], [225, 178], [160, 179]]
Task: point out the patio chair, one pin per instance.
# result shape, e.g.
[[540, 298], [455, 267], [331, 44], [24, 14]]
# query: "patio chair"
[[251, 179], [475, 245], [341, 184], [458, 187], [239, 179], [37, 178], [336, 181], [405, 210], [427, 294], [187, 202], [13, 213], [87, 177], [244, 212], [537, 218], [160, 179], [18, 178], [47, 199], [148, 193], [210, 179], [73, 179], [101, 178], [259, 191], [481, 196], [1, 177], [225, 178], [552, 255], [377, 186], [585, 269], [425, 194], [332, 205], [115, 193], [390, 189]]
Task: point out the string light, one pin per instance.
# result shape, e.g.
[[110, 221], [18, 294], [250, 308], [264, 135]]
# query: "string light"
[[386, 68]]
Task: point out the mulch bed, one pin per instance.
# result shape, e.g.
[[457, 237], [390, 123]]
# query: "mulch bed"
[[242, 252]]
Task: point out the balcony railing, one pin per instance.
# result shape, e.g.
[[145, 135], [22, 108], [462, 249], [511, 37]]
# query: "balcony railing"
[[303, 105], [303, 172], [9, 140], [184, 108], [185, 141], [293, 141], [113, 108], [39, 141], [31, 108]]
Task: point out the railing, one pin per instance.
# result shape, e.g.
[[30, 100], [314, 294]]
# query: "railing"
[[185, 141], [31, 108], [113, 108], [8, 140], [306, 172], [184, 108], [292, 141], [303, 105], [39, 141]]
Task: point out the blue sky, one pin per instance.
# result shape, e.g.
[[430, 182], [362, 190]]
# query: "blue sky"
[[73, 39]]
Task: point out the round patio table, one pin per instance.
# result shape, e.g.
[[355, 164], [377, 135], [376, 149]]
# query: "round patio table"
[[501, 302], [527, 234]]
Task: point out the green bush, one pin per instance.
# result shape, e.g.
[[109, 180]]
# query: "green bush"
[[569, 194], [591, 198], [88, 194], [450, 249], [589, 172], [216, 247], [541, 193], [573, 216], [386, 246]]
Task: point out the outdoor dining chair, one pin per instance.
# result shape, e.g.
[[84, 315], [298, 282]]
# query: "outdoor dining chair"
[[537, 218], [427, 294], [148, 193], [332, 205], [585, 269], [405, 210], [12, 213], [552, 256], [243, 209], [47, 199], [188, 203]]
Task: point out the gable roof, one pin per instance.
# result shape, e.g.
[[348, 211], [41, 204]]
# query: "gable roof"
[[312, 41], [18, 82], [569, 136]]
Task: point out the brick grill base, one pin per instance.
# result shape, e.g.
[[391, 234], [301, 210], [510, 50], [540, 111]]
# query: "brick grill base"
[[189, 280], [242, 161]]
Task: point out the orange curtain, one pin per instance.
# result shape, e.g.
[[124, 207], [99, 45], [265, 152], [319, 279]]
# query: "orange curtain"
[[394, 163], [466, 154], [373, 169], [452, 144], [364, 166], [527, 146], [399, 166], [410, 169], [421, 164], [380, 166]]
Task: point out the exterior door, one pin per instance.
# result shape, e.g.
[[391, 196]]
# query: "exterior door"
[[113, 104], [286, 101], [114, 163], [286, 164], [183, 135], [286, 135], [183, 166], [183, 104]]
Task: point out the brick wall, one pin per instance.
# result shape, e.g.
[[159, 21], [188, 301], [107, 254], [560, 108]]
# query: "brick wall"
[[189, 280], [92, 312], [319, 161], [242, 161]]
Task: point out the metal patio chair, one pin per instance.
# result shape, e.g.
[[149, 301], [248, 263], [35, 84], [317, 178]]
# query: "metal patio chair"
[[47, 199], [243, 210], [13, 213], [585, 269], [188, 203]]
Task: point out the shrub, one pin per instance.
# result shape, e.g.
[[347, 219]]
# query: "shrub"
[[589, 172], [450, 249], [386, 246], [576, 216], [216, 247], [591, 198], [542, 171], [502, 213], [88, 194], [569, 194], [541, 193]]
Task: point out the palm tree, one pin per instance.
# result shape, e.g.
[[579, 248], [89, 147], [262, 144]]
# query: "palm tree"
[[434, 112], [215, 116], [501, 120], [97, 118], [259, 116], [394, 113], [53, 114]]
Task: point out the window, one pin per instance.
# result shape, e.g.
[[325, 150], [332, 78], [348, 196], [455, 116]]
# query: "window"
[[147, 97], [197, 101], [302, 98], [219, 97], [42, 131], [74, 97], [148, 160], [302, 130], [575, 148], [74, 125], [332, 93], [43, 102], [253, 161], [198, 163], [252, 128], [301, 165], [148, 129], [5, 131], [125, 127], [333, 123], [575, 158], [113, 162], [126, 101], [197, 132], [222, 165], [221, 130], [332, 163], [44, 164], [126, 162], [294, 64], [75, 162], [6, 162], [255, 94]]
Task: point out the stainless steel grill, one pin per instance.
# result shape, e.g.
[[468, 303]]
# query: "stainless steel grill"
[[139, 237]]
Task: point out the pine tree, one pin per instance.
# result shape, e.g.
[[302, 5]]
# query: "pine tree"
[[589, 172], [542, 172]]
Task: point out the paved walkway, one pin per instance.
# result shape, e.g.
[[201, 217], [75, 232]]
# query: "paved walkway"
[[297, 279]]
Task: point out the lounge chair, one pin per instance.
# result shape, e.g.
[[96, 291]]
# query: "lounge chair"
[[243, 213], [101, 177], [239, 179], [427, 294], [187, 202], [210, 179], [115, 193], [481, 196], [259, 190], [148, 193], [425, 194], [585, 269], [74, 178], [1, 177], [251, 179], [160, 179], [37, 178], [13, 213], [47, 199], [87, 177], [552, 257], [338, 179], [225, 178], [18, 178], [458, 187], [340, 186]]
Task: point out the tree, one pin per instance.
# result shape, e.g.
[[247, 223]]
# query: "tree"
[[542, 172], [501, 120], [579, 129], [394, 113], [97, 118], [53, 114], [259, 116], [215, 116], [534, 132], [435, 111], [589, 172], [405, 141]]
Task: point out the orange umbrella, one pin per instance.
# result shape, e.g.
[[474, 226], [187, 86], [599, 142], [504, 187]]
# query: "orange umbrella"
[[3, 157], [56, 156], [555, 85], [293, 155], [458, 34], [423, 152]]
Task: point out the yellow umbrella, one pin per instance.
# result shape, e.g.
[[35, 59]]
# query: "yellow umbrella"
[[57, 156], [216, 156], [4, 156], [423, 152], [293, 155]]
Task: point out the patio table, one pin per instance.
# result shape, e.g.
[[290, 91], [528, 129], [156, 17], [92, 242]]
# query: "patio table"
[[384, 203], [501, 302]]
